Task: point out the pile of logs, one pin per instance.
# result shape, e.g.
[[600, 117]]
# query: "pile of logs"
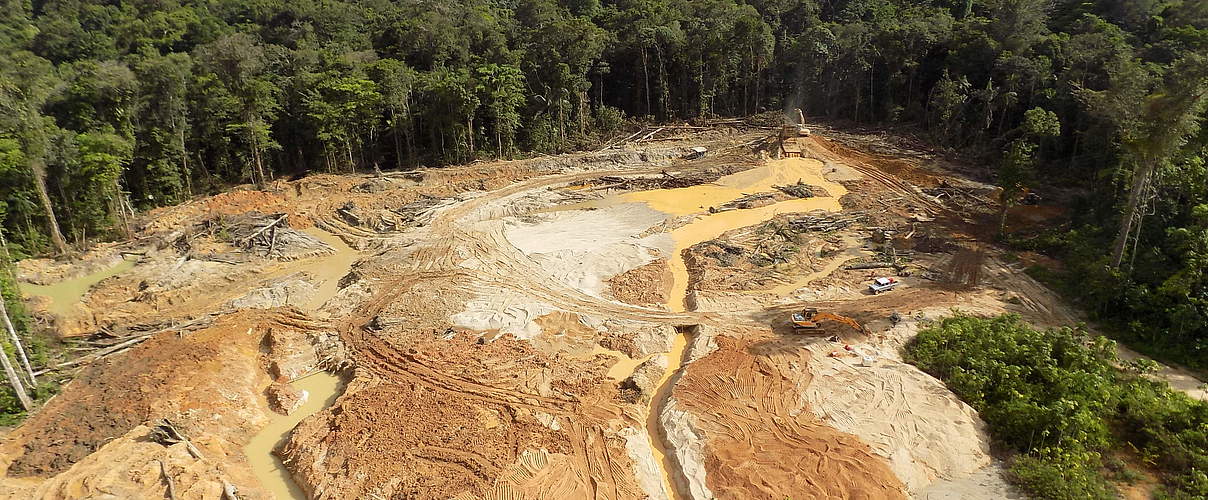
[[255, 229], [418, 211], [827, 222], [107, 342], [350, 214], [962, 197], [665, 180], [747, 201], [802, 190], [269, 235], [670, 132]]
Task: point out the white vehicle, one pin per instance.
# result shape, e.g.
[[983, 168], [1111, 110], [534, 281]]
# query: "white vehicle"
[[882, 285]]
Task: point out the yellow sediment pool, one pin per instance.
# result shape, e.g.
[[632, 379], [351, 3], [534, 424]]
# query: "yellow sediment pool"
[[65, 294], [322, 388], [708, 226], [624, 365], [329, 269], [698, 199]]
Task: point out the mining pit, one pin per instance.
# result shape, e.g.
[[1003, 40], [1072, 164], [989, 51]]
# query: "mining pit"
[[611, 324]]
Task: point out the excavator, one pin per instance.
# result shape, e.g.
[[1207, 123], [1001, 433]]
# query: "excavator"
[[810, 319]]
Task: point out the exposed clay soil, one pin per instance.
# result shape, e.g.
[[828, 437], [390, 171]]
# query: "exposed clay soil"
[[208, 382], [762, 441], [643, 286], [479, 314]]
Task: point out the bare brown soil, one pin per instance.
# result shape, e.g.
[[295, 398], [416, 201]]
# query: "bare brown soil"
[[525, 406], [644, 286], [208, 382], [762, 440]]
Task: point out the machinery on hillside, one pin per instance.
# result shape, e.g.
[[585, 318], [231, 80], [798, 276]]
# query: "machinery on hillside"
[[790, 134], [809, 319]]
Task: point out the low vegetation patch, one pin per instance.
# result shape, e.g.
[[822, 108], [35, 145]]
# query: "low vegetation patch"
[[1059, 398]]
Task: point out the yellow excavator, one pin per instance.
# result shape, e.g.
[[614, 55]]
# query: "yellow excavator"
[[810, 319]]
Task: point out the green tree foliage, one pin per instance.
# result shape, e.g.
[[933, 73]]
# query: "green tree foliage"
[[1017, 168], [396, 82], [1056, 397], [1015, 171], [99, 204], [160, 172], [234, 71], [501, 89], [345, 110], [1105, 95]]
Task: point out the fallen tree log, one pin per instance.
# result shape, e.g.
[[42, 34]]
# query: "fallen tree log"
[[871, 265], [248, 240], [171, 485], [166, 433]]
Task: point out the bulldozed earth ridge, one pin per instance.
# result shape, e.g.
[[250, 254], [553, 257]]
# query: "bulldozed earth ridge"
[[512, 330]]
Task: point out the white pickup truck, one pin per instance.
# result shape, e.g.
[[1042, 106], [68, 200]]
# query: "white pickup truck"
[[882, 285]]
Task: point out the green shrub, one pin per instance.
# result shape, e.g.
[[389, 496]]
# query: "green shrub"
[[610, 119], [1057, 397], [1061, 475], [1035, 388]]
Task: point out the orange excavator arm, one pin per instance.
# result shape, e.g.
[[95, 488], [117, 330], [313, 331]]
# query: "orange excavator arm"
[[825, 316]]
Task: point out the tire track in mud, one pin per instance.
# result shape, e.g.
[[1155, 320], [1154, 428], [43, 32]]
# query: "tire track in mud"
[[828, 150], [595, 466], [503, 265], [438, 261], [760, 438], [457, 237]]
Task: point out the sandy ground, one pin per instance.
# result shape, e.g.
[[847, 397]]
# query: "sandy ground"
[[760, 438], [535, 330]]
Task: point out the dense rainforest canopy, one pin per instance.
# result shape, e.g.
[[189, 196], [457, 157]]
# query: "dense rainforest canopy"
[[114, 107]]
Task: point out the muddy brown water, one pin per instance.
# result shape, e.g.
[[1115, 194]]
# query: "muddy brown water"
[[321, 388], [67, 293], [658, 442]]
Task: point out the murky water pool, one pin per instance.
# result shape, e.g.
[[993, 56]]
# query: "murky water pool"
[[64, 295], [322, 389], [654, 428]]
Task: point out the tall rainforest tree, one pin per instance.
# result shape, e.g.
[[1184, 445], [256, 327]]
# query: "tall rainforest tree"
[[452, 103], [1153, 123], [22, 96], [344, 110], [501, 89], [100, 203], [235, 73], [160, 171], [396, 83]]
